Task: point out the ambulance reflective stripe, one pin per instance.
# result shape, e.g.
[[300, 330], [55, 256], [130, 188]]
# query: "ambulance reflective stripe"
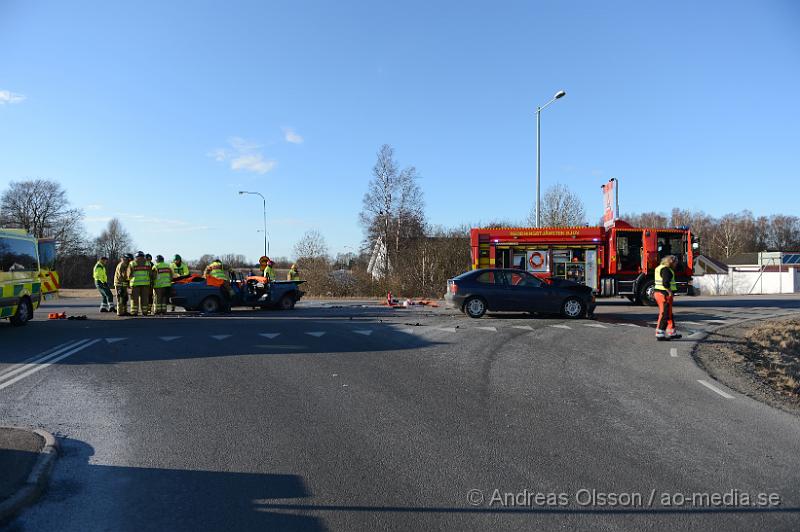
[[141, 275], [12, 293]]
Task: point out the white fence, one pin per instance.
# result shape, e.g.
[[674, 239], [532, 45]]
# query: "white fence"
[[749, 280]]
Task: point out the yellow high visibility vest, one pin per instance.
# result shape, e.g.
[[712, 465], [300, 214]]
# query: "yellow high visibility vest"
[[293, 275], [140, 274], [218, 271], [100, 273], [163, 275], [673, 285], [179, 271]]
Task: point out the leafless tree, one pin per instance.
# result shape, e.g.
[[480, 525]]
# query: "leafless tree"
[[560, 208], [729, 236], [784, 232], [311, 246], [233, 260], [114, 241], [393, 207], [647, 219], [41, 208], [201, 263]]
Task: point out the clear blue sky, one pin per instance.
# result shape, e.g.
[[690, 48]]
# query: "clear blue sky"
[[159, 112]]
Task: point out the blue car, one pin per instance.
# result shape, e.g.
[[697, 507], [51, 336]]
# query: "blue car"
[[195, 294]]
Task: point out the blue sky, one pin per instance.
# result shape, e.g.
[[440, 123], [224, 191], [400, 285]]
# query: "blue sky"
[[159, 112]]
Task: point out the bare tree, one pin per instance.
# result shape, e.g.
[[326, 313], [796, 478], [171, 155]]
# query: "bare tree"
[[560, 208], [201, 263], [393, 207], [784, 232], [311, 246], [114, 241], [647, 219], [729, 237], [41, 208], [234, 260]]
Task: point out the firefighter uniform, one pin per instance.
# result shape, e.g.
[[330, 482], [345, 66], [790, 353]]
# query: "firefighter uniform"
[[179, 269], [663, 294], [100, 276], [162, 283], [140, 275], [293, 274], [121, 282]]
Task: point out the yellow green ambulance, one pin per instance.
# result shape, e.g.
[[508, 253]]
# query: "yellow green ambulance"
[[20, 283]]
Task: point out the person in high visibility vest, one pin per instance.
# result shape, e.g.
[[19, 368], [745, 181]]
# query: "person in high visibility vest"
[[179, 269], [141, 281], [269, 272], [294, 274], [664, 291], [162, 284], [121, 282], [100, 276], [216, 269]]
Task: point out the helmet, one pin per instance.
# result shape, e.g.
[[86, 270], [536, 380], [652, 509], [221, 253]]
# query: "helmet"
[[160, 258], [140, 254], [148, 256], [128, 256], [177, 257]]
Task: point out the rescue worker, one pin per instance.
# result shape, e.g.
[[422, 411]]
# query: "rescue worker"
[[101, 283], [294, 274], [665, 287], [269, 272], [216, 269], [121, 281], [162, 283], [149, 260], [141, 281], [179, 269]]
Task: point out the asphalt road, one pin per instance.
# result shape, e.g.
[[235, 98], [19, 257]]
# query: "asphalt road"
[[350, 417]]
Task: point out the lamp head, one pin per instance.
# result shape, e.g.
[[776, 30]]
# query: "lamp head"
[[560, 94]]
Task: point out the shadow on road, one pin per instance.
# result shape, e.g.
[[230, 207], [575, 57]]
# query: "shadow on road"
[[103, 497]]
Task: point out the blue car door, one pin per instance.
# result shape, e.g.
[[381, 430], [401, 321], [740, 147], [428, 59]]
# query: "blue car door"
[[530, 294]]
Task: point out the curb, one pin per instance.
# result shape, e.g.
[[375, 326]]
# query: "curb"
[[37, 479]]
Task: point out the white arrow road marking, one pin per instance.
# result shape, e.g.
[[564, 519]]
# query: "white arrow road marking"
[[168, 338], [595, 325], [715, 389], [43, 362], [114, 340], [364, 332], [220, 336], [673, 352], [316, 333], [561, 326], [523, 327], [269, 335], [493, 329]]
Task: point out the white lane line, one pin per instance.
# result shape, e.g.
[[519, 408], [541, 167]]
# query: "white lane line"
[[168, 338], [523, 327], [32, 361], [316, 334], [50, 352], [114, 340], [363, 332], [673, 352], [561, 327], [493, 329], [715, 389], [269, 335], [40, 366], [629, 325], [595, 325], [220, 336]]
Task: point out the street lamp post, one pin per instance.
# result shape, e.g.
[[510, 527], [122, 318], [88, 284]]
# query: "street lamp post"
[[266, 244], [559, 94]]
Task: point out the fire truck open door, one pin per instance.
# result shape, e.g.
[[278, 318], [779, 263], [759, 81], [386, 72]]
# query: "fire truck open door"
[[591, 269]]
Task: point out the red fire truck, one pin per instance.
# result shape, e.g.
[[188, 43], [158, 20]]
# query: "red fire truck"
[[618, 261]]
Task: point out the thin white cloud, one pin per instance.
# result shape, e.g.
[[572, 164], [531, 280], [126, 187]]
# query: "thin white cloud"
[[94, 207], [290, 135], [10, 97], [243, 155]]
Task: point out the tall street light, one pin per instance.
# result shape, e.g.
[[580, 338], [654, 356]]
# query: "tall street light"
[[266, 245], [559, 94]]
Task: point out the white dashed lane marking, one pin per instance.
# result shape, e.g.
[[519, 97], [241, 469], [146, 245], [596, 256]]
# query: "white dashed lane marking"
[[269, 335], [316, 334], [561, 326], [595, 325], [220, 336], [168, 338], [448, 329], [673, 352], [114, 340], [363, 332], [715, 389], [493, 329], [523, 327]]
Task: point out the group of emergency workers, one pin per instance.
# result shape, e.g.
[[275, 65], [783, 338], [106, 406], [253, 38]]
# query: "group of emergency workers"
[[150, 283]]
